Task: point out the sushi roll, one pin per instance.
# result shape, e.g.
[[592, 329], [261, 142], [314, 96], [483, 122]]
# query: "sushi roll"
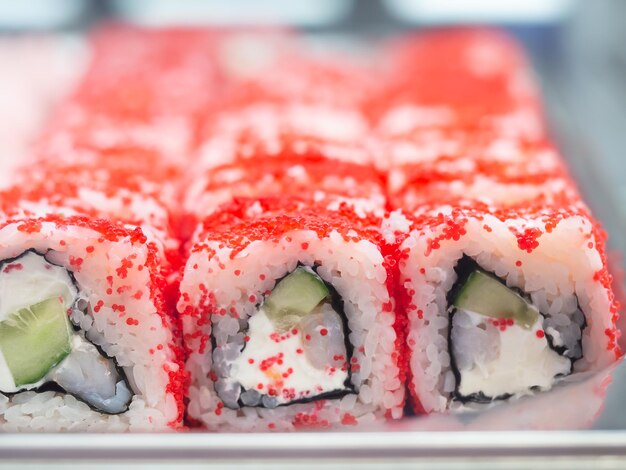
[[88, 335], [288, 319], [86, 343], [287, 297], [129, 184], [320, 103], [504, 302], [466, 125], [503, 268]]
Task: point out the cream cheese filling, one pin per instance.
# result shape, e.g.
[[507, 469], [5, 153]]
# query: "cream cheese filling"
[[280, 364], [498, 357]]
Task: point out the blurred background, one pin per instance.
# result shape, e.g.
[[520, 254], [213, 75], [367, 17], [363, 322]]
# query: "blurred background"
[[577, 48]]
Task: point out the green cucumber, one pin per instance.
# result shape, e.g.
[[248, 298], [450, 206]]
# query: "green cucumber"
[[294, 297], [484, 294], [35, 339]]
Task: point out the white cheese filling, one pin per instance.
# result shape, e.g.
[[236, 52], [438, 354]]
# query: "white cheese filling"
[[308, 360], [498, 357]]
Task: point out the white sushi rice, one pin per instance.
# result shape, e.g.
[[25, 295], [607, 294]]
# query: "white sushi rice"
[[354, 269], [555, 274], [152, 407]]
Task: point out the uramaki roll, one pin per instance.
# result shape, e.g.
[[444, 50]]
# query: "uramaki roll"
[[503, 303], [88, 336], [289, 320], [86, 340]]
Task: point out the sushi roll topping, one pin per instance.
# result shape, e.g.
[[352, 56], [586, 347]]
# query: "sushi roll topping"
[[500, 344], [295, 348], [38, 344]]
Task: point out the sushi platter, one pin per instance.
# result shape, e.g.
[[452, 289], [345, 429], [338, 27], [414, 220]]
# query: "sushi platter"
[[224, 247]]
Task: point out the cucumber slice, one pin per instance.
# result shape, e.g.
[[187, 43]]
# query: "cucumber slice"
[[486, 295], [35, 339], [294, 297]]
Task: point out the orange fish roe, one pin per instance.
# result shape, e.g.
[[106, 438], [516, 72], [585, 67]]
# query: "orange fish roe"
[[13, 267]]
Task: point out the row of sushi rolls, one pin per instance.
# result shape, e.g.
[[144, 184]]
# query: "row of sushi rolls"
[[233, 231]]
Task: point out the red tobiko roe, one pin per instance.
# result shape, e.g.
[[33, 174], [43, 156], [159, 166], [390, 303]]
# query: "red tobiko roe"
[[445, 168], [113, 172], [316, 165], [435, 69], [238, 223]]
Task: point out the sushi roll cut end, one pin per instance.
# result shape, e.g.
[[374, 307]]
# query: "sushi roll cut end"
[[39, 346]]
